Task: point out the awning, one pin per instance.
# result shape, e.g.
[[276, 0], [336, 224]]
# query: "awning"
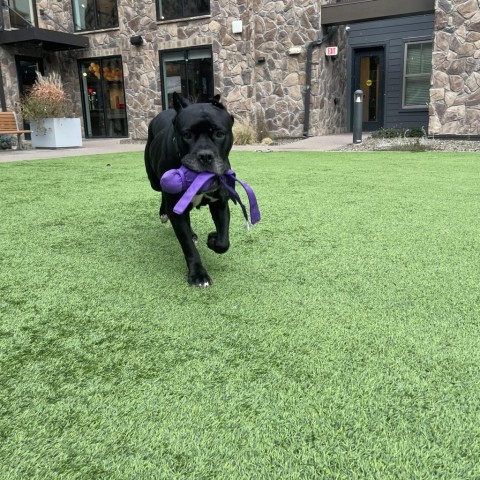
[[342, 12], [41, 37]]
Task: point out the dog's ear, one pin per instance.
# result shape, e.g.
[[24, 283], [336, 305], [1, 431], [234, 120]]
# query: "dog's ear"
[[179, 102], [215, 101]]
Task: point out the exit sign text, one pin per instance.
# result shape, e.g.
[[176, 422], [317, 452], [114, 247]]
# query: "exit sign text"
[[331, 51]]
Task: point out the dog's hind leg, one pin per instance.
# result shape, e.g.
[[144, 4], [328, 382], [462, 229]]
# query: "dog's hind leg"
[[194, 235], [163, 210]]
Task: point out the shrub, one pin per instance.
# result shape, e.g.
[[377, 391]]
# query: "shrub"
[[413, 146], [399, 132], [415, 133], [386, 133], [46, 99], [244, 133], [6, 142]]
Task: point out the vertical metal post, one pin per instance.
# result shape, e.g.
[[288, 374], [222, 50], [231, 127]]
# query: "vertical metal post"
[[357, 116], [3, 103]]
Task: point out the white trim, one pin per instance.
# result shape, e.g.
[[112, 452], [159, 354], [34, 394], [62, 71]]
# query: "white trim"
[[412, 75]]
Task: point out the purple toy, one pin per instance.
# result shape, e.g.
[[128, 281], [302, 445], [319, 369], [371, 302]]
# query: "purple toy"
[[179, 179], [185, 180]]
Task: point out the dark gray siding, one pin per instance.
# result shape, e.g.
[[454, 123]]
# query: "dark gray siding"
[[392, 34]]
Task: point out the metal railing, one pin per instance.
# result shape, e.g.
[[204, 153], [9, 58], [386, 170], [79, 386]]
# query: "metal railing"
[[16, 19]]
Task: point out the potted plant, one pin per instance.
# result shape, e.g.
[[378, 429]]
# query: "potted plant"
[[47, 109]]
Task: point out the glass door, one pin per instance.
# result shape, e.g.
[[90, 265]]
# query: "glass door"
[[369, 77], [27, 68], [103, 97]]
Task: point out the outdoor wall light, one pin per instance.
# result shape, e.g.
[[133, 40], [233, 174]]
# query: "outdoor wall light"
[[237, 26], [136, 40], [294, 50]]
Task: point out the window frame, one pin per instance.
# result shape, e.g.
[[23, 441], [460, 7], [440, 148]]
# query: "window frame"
[[32, 22], [161, 18], [101, 62], [76, 22], [412, 75], [185, 53]]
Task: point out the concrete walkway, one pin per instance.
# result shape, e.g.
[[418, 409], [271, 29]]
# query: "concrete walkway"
[[324, 143]]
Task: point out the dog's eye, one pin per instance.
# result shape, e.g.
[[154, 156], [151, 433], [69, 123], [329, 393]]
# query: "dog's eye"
[[219, 134], [187, 135]]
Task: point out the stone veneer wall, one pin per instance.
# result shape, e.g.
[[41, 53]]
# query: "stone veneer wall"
[[280, 79], [455, 92], [269, 94], [329, 88]]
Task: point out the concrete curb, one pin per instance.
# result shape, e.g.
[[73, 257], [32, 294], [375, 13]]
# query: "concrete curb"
[[324, 143]]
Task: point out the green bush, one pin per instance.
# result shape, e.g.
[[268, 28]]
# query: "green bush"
[[6, 142], [416, 132], [386, 133], [410, 146]]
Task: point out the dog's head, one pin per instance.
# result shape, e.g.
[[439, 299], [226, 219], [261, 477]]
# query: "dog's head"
[[203, 134]]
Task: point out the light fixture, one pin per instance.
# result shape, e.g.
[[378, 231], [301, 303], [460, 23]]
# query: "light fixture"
[[136, 40]]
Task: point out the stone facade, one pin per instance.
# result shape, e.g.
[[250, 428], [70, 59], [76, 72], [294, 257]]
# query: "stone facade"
[[455, 92], [279, 81], [329, 88], [268, 94]]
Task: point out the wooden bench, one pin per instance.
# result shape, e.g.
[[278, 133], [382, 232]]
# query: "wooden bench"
[[9, 126]]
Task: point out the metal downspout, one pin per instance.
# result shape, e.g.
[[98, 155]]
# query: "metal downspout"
[[308, 88]]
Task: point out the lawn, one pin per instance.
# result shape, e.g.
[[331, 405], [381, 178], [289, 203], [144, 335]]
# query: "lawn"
[[340, 340]]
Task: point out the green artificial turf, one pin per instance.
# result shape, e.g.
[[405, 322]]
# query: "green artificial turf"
[[340, 339]]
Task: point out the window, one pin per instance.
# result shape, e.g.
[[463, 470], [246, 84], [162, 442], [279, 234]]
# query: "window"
[[189, 72], [171, 9], [418, 68], [94, 14], [103, 97], [21, 13]]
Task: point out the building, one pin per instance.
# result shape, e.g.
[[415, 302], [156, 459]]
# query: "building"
[[416, 61]]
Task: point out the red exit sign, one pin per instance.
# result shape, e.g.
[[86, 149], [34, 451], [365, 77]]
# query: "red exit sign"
[[331, 51]]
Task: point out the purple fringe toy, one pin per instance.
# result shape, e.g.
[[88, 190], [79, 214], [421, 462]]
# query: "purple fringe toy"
[[185, 180]]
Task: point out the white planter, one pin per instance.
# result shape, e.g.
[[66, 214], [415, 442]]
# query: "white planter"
[[56, 133]]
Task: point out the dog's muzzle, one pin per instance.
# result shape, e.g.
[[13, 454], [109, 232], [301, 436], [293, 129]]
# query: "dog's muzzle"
[[205, 160]]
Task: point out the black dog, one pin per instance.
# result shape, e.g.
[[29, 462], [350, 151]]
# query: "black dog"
[[198, 136]]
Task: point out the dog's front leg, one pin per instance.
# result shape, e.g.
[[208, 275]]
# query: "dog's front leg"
[[219, 241], [197, 275]]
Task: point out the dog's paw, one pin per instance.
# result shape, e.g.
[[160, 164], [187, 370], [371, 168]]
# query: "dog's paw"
[[199, 278], [164, 218], [214, 244]]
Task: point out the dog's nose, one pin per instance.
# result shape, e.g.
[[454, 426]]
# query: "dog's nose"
[[205, 156]]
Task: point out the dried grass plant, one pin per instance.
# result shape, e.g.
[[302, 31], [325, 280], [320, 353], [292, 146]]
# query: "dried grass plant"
[[46, 99], [244, 133]]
